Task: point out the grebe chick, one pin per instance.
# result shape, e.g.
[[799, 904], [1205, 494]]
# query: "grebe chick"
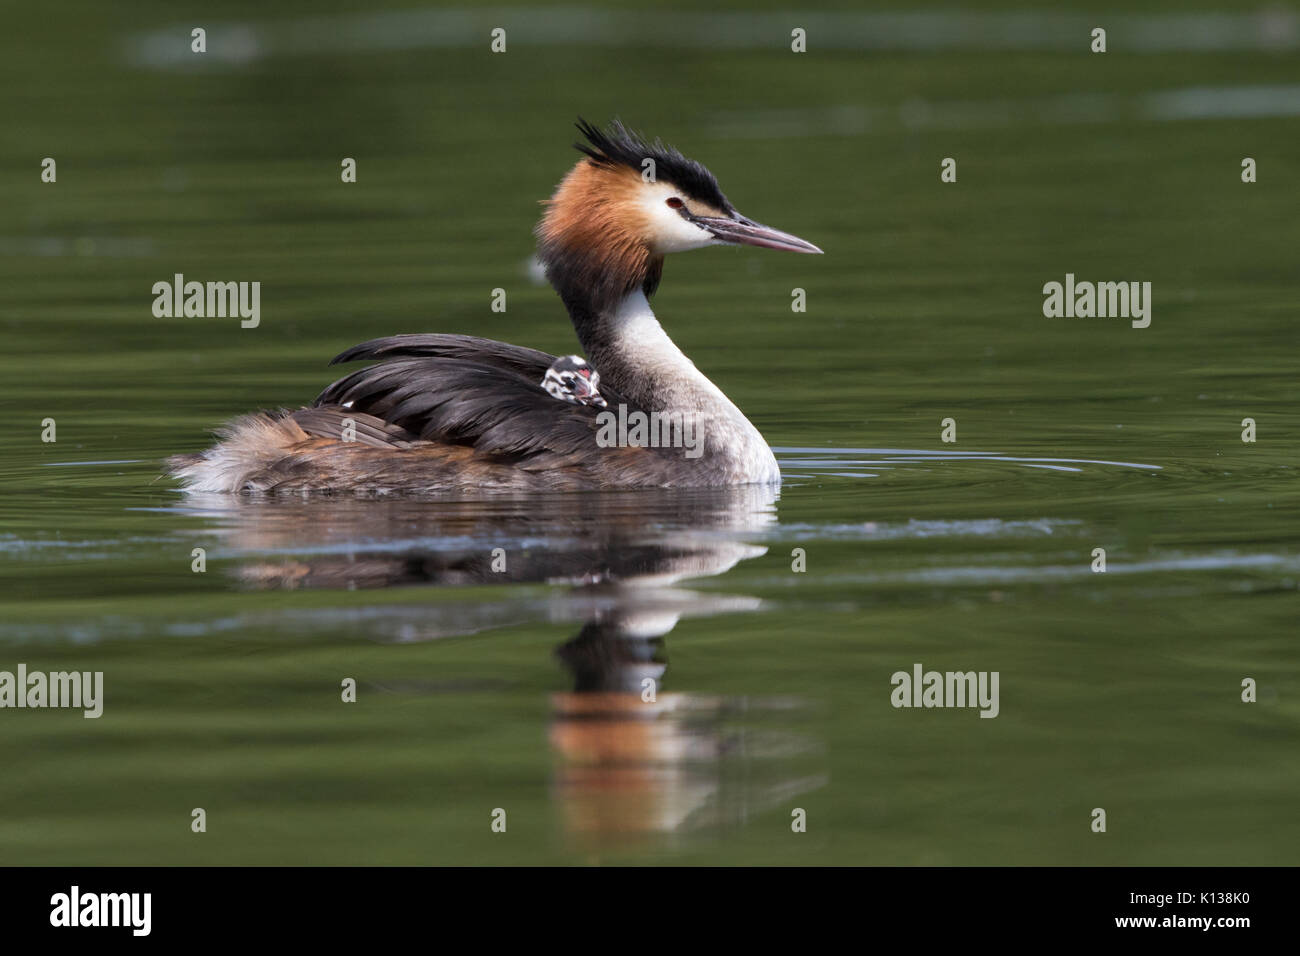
[[456, 414], [571, 379]]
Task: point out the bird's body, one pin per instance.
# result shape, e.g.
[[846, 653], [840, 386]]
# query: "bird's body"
[[456, 414]]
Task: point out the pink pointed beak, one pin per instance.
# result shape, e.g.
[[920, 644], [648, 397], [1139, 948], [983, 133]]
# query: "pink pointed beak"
[[745, 232]]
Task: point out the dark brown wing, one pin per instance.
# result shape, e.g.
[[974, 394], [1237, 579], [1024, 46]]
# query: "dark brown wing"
[[461, 390], [532, 363]]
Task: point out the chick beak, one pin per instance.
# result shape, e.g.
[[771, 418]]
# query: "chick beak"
[[585, 389]]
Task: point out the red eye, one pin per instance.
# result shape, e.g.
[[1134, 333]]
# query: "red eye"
[[675, 203]]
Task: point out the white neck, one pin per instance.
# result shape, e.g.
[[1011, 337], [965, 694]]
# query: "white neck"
[[636, 334], [648, 366]]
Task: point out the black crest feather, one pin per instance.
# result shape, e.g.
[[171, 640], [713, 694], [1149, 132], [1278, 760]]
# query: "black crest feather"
[[616, 144]]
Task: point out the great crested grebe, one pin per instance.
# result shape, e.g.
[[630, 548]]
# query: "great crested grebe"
[[459, 414]]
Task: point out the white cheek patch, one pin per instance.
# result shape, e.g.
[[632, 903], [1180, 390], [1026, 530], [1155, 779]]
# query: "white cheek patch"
[[669, 232]]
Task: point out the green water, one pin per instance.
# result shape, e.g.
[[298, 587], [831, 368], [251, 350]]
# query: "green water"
[[519, 690]]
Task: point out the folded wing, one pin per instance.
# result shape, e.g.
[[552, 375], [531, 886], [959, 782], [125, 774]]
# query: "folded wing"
[[457, 390]]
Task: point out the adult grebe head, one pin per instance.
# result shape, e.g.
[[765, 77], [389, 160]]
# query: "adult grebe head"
[[627, 204]]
